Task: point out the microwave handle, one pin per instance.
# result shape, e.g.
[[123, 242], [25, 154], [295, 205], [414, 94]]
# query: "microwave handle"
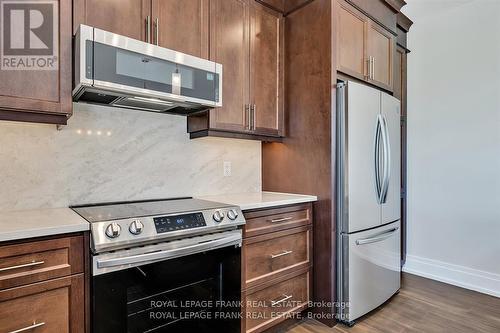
[[234, 239]]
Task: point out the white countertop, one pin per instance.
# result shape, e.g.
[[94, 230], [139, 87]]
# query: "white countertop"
[[39, 222], [248, 201]]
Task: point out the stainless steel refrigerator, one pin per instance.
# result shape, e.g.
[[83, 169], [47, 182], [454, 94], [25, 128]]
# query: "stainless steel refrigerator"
[[368, 192]]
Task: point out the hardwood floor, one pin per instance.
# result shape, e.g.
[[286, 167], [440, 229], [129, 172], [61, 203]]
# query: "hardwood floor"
[[423, 306]]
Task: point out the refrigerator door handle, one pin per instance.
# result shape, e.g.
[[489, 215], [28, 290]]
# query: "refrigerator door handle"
[[386, 161], [377, 161], [377, 238]]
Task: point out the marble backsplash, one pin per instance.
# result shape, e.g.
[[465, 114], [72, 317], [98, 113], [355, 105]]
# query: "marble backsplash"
[[108, 154]]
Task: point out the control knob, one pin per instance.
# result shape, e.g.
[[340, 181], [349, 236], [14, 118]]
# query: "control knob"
[[136, 227], [232, 214], [218, 216], [113, 230]]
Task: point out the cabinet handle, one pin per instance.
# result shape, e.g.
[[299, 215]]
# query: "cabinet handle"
[[148, 29], [286, 298], [370, 68], [281, 220], [33, 263], [373, 70], [35, 325], [281, 254], [157, 30], [254, 121], [247, 116]]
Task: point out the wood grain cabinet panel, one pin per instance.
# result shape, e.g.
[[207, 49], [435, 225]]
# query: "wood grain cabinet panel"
[[266, 35], [269, 306], [247, 39], [270, 220], [381, 46], [365, 50], [45, 307], [26, 263], [42, 95], [181, 25], [229, 46], [276, 264], [124, 17], [273, 254], [351, 28]]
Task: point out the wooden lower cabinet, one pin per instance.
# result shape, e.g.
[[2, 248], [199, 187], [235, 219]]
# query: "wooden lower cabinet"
[[52, 306], [276, 265], [42, 285]]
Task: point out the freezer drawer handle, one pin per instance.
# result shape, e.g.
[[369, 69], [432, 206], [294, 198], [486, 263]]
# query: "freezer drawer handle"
[[281, 254], [286, 298], [377, 238], [281, 220]]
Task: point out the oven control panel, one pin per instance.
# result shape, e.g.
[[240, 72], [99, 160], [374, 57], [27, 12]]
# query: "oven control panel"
[[179, 222], [114, 234]]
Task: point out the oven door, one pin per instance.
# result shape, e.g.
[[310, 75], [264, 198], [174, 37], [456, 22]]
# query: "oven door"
[[180, 286]]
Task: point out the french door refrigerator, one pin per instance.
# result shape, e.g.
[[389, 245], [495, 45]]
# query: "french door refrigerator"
[[368, 192]]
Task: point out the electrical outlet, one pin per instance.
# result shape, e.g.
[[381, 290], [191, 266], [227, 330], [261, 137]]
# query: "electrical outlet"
[[227, 169]]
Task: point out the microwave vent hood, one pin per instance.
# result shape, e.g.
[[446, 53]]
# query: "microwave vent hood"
[[118, 71]]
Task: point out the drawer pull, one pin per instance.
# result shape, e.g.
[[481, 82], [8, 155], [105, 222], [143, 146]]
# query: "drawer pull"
[[281, 254], [281, 220], [33, 263], [286, 298], [35, 325]]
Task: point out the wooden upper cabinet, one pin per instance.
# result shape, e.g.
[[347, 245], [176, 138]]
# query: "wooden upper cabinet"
[[365, 50], [178, 25], [229, 46], [266, 70], [41, 94], [351, 41], [124, 17], [181, 25], [381, 46]]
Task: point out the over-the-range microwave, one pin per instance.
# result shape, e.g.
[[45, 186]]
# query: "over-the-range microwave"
[[119, 71]]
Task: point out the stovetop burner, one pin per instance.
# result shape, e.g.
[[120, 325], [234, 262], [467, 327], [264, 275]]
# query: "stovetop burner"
[[126, 224]]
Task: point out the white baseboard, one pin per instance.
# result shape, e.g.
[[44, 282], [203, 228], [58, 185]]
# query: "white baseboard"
[[469, 278]]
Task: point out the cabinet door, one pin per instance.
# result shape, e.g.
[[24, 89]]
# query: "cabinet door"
[[266, 70], [229, 46], [351, 58], [52, 306], [181, 25], [381, 46], [124, 17], [46, 90]]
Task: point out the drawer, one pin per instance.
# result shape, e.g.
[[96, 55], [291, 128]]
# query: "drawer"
[[270, 255], [45, 307], [269, 306], [270, 220], [36, 261]]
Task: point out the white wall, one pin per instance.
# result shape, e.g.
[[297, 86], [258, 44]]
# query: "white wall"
[[146, 155], [454, 142]]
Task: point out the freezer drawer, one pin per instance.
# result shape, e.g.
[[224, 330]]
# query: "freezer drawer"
[[371, 268]]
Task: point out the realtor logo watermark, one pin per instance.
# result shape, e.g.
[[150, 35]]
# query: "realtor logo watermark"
[[29, 34]]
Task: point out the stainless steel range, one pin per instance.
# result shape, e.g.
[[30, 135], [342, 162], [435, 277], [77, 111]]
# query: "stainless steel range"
[[165, 265]]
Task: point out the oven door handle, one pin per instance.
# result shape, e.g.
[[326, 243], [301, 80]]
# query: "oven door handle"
[[229, 240]]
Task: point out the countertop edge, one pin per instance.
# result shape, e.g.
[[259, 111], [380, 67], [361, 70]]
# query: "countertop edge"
[[278, 203], [42, 232]]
